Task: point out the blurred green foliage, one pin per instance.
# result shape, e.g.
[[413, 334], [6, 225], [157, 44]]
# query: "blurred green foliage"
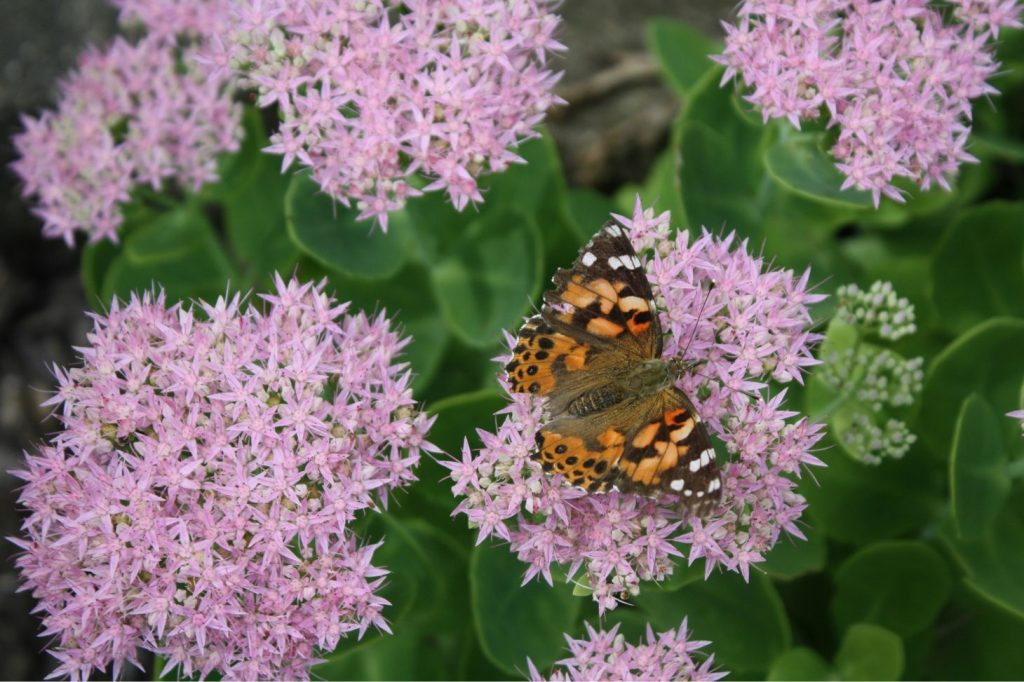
[[912, 569]]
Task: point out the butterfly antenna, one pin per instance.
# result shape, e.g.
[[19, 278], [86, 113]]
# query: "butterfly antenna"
[[696, 323]]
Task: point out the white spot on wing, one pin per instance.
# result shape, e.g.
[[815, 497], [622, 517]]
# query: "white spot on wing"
[[695, 465], [613, 230], [588, 259], [677, 484], [614, 263]]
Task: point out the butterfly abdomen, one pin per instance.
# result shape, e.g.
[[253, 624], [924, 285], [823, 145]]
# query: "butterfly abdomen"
[[596, 400]]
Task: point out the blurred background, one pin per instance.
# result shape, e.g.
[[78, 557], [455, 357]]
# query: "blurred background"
[[617, 120]]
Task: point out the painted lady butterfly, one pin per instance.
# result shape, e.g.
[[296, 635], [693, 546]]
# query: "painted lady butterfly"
[[615, 419]]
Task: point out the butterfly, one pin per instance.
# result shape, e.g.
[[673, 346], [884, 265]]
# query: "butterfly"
[[614, 418]]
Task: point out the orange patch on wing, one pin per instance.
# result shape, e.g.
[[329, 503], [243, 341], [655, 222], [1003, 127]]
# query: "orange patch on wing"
[[576, 359], [683, 432], [614, 443], [646, 471], [600, 326], [603, 288], [533, 366], [645, 435], [676, 416], [576, 295]]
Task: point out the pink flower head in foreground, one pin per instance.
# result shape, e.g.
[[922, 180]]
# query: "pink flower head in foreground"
[[131, 114], [371, 93], [196, 501], [893, 75], [753, 327], [172, 18], [607, 656]]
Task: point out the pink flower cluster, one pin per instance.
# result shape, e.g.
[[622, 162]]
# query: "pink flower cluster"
[[196, 502], [131, 114], [172, 18], [743, 324], [608, 656], [371, 93], [895, 76]]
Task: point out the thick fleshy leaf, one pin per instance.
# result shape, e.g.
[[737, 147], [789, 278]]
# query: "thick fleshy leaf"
[[721, 177], [799, 663], [797, 162], [791, 557], [178, 252], [994, 562], [330, 234], [460, 415], [899, 585], [869, 652], [724, 185], [589, 210], [978, 268], [746, 621], [682, 51], [96, 260], [860, 504], [978, 480], [985, 360], [982, 644], [253, 196], [489, 279], [515, 623], [416, 314], [458, 418]]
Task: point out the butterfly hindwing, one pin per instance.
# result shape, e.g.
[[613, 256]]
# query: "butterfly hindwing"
[[584, 451], [671, 451]]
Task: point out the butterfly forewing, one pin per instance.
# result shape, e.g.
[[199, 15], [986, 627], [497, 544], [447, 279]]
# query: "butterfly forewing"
[[606, 295]]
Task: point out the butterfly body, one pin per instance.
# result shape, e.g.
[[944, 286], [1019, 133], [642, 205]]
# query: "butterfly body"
[[614, 418]]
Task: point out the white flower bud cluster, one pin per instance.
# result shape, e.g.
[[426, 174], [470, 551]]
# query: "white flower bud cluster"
[[890, 379], [878, 310], [872, 443]]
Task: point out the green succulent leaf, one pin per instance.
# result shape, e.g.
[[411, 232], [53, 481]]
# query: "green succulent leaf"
[[330, 234], [968, 365], [252, 193], [978, 268], [427, 593], [745, 620], [994, 561], [797, 162], [792, 557], [799, 663], [870, 652], [176, 251], [978, 480], [861, 504], [515, 623], [487, 282], [901, 586], [683, 52]]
